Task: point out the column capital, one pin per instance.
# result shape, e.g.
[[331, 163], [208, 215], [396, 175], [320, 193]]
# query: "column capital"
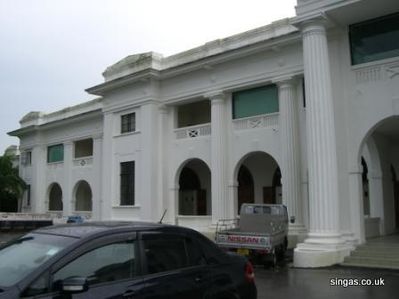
[[314, 26], [163, 109], [215, 96], [97, 136], [285, 81]]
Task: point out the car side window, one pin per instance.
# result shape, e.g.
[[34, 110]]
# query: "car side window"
[[196, 256], [104, 264], [165, 254], [38, 287]]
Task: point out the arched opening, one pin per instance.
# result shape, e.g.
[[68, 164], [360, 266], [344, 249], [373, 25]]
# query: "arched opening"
[[395, 184], [55, 198], [365, 188], [83, 197], [378, 159], [245, 188], [195, 189], [259, 180]]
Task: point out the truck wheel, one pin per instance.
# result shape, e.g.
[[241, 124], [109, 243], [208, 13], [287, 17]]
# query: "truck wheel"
[[274, 259], [280, 252]]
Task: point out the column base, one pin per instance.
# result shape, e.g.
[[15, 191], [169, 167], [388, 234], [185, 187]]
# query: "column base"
[[321, 251], [296, 234]]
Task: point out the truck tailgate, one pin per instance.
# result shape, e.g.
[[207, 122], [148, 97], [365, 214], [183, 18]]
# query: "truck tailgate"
[[242, 240]]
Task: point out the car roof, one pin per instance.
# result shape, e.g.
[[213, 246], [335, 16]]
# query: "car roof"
[[86, 229]]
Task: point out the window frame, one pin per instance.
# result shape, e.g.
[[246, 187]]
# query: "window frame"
[[365, 23], [235, 95], [131, 185], [93, 245], [48, 153], [162, 235], [81, 140], [131, 125]]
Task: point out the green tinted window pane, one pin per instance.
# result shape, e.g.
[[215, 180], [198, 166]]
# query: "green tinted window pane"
[[55, 153], [375, 39], [255, 101]]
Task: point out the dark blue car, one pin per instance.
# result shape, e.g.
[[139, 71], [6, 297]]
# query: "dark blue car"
[[122, 260]]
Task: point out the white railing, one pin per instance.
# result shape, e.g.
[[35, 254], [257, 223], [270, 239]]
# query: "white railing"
[[259, 121], [193, 131], [81, 162], [24, 216], [377, 70]]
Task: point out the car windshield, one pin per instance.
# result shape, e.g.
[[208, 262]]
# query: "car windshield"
[[22, 256]]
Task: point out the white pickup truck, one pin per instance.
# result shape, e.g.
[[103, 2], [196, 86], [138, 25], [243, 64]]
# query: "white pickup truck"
[[260, 233]]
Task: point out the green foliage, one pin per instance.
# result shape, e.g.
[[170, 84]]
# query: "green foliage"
[[11, 185]]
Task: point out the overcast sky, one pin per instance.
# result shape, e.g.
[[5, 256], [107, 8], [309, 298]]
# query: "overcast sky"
[[52, 50]]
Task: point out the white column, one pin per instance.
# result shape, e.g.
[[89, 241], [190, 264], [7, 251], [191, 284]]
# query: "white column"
[[356, 205], [148, 168], [68, 201], [163, 165], [232, 201], [97, 170], [324, 245], [291, 155], [108, 176], [218, 156], [39, 200]]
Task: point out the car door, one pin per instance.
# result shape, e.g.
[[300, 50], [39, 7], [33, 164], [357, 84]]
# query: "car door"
[[110, 266], [172, 267]]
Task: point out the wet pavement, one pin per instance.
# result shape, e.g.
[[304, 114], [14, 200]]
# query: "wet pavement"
[[332, 282]]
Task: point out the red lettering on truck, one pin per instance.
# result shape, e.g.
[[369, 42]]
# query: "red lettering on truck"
[[243, 239]]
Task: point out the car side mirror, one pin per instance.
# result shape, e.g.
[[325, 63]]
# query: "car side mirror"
[[75, 285]]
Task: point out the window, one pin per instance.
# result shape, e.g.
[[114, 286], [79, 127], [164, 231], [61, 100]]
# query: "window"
[[27, 195], [55, 153], [38, 287], [104, 264], [26, 158], [84, 148], [194, 114], [127, 183], [256, 101], [165, 254], [374, 39], [128, 123]]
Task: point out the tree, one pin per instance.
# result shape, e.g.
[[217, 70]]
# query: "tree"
[[11, 185]]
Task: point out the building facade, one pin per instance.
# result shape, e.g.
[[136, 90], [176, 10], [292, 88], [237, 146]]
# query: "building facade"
[[304, 112]]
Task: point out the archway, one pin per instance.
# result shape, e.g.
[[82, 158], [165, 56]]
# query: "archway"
[[245, 190], [377, 157], [55, 198], [83, 196], [259, 179], [365, 188], [395, 183], [194, 189]]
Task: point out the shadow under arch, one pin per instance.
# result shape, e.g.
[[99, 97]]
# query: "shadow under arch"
[[193, 178], [54, 197], [82, 195], [259, 171]]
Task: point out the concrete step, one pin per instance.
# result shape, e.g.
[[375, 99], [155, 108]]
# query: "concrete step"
[[382, 266], [375, 254]]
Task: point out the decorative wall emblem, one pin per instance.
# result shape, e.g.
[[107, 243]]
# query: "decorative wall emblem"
[[255, 123], [393, 71]]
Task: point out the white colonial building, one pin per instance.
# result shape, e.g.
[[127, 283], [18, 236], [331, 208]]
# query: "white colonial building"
[[304, 112]]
